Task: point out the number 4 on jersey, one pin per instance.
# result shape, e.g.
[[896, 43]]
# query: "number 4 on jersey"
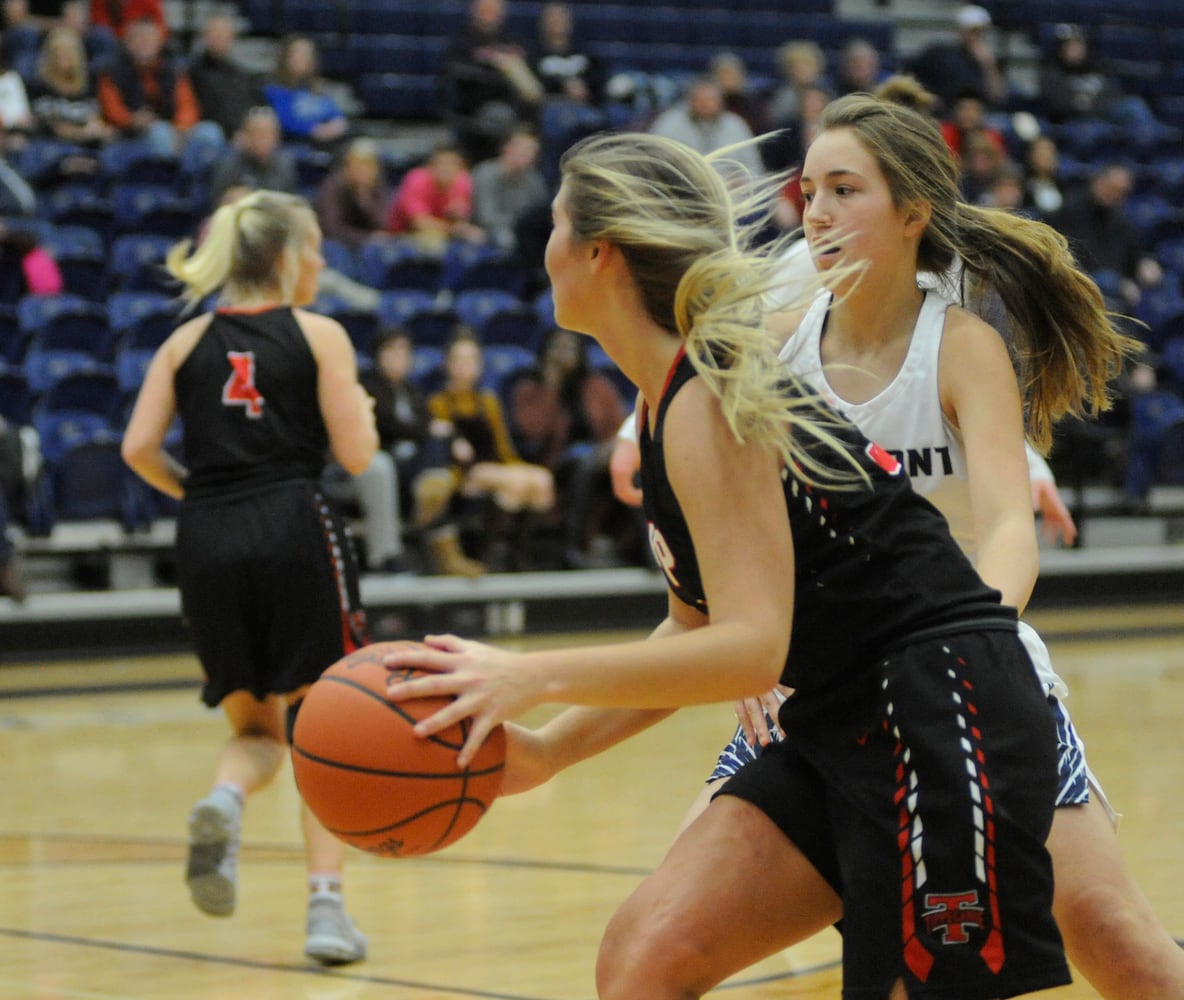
[[240, 387]]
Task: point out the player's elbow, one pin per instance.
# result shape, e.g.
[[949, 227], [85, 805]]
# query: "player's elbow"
[[356, 458], [136, 450]]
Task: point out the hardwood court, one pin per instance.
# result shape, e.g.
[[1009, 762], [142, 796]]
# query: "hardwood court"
[[102, 760]]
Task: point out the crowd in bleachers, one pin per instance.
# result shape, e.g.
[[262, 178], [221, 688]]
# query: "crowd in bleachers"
[[118, 141]]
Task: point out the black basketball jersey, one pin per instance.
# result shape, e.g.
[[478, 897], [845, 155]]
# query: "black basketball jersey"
[[875, 565], [247, 397]]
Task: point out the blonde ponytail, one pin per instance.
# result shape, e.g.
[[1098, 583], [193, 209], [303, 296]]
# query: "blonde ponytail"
[[243, 253]]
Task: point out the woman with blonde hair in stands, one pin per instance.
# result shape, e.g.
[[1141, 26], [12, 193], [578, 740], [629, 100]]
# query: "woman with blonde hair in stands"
[[264, 390]]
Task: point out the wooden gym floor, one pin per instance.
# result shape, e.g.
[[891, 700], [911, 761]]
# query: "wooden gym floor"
[[101, 760]]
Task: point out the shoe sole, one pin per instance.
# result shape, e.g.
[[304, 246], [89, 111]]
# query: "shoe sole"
[[333, 951], [209, 841]]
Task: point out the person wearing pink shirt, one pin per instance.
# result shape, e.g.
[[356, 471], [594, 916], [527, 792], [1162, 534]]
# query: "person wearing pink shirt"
[[434, 202]]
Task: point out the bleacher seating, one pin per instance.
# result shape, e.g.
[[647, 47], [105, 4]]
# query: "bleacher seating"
[[110, 230]]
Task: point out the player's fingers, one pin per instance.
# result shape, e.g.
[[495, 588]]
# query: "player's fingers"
[[481, 728], [429, 655], [400, 689]]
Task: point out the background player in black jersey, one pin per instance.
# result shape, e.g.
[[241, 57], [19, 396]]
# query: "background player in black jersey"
[[914, 789], [266, 569]]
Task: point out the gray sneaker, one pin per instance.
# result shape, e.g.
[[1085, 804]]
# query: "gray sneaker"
[[332, 937], [214, 824]]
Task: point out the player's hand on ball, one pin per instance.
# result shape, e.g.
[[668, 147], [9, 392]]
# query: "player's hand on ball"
[[484, 682]]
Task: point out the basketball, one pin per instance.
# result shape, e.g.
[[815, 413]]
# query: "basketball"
[[370, 780]]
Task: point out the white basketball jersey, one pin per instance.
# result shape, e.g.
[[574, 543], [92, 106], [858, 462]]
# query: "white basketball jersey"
[[905, 417]]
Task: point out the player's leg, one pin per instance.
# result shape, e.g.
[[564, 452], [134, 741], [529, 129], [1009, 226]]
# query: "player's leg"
[[249, 760], [1111, 932], [332, 938], [731, 891]]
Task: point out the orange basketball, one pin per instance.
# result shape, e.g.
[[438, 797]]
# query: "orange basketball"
[[374, 783]]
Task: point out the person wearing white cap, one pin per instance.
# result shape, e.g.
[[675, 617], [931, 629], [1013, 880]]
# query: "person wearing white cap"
[[964, 64]]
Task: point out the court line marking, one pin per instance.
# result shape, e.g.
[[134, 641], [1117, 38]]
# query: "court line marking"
[[320, 972]]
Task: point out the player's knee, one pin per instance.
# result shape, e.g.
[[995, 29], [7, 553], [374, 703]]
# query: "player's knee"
[[290, 719], [643, 954]]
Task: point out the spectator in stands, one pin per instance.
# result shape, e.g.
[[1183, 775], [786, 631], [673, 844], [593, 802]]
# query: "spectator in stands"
[[507, 187], [146, 94], [1102, 237], [786, 148], [730, 72], [434, 202], [116, 16], [906, 90], [307, 112], [488, 83], [100, 43], [351, 201], [16, 116], [485, 461], [1076, 84], [420, 449], [565, 417], [701, 122], [21, 249], [257, 159], [1043, 195], [948, 69], [859, 68], [1006, 189], [980, 165], [225, 90], [967, 117], [801, 63], [63, 96], [565, 70], [21, 38], [1153, 408]]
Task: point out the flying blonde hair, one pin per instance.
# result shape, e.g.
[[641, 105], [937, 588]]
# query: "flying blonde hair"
[[243, 253], [687, 227]]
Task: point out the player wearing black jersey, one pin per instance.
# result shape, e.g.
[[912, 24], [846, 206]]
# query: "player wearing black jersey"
[[265, 565], [913, 792]]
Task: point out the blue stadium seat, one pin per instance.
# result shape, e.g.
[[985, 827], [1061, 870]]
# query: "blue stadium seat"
[[129, 310], [413, 96], [14, 338], [395, 307], [133, 162], [42, 161], [66, 323], [341, 258], [77, 404], [433, 327], [89, 479], [398, 264], [517, 325], [137, 262], [360, 324], [16, 397], [153, 209], [471, 267], [503, 362], [75, 205], [475, 306], [83, 270]]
